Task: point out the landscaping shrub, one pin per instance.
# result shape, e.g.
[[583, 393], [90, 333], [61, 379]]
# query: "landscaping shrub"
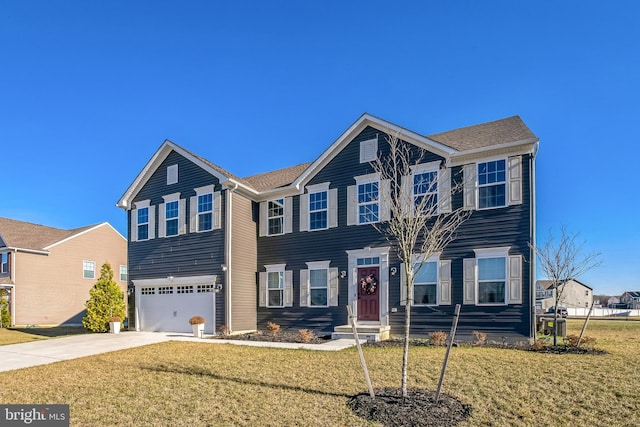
[[572, 341], [538, 345], [306, 335], [106, 300], [4, 309], [224, 330], [438, 338], [274, 328], [479, 338]]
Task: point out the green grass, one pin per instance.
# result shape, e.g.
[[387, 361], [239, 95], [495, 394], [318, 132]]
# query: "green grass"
[[194, 384]]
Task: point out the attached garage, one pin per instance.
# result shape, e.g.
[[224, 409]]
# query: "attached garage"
[[165, 305]]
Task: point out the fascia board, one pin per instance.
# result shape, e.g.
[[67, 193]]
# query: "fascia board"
[[85, 232], [357, 127], [526, 146]]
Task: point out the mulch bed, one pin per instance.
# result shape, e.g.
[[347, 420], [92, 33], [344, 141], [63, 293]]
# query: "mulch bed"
[[417, 409], [286, 335]]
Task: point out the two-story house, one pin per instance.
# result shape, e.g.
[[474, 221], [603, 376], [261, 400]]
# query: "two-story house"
[[296, 246], [48, 272], [573, 294]]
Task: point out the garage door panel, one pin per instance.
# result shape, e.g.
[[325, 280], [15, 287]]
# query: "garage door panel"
[[171, 312]]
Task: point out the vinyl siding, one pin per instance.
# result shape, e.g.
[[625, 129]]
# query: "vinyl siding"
[[190, 254], [244, 254]]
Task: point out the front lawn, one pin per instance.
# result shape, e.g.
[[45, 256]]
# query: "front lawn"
[[197, 384], [20, 335]]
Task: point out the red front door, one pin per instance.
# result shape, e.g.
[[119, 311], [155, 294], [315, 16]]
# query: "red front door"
[[368, 293]]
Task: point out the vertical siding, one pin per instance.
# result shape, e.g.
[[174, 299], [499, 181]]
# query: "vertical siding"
[[244, 253], [51, 289], [190, 254]]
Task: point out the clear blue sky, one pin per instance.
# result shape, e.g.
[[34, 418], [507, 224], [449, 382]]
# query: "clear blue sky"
[[90, 89]]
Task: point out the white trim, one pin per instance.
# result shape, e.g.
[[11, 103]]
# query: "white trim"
[[175, 281], [172, 174], [274, 267], [318, 265], [369, 150], [315, 189], [499, 252], [492, 252], [363, 180], [94, 269], [383, 254], [505, 183]]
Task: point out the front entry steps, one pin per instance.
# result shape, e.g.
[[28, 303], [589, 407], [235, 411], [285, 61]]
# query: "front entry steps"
[[371, 333]]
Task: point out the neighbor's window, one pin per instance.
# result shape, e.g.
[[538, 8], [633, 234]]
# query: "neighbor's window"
[[171, 218], [275, 289], [4, 262], [318, 287], [425, 284], [123, 273], [492, 282], [492, 184], [275, 217], [368, 202], [88, 269], [205, 212], [143, 223], [318, 210]]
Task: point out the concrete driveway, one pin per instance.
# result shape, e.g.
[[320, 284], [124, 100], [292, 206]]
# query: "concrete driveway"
[[24, 355]]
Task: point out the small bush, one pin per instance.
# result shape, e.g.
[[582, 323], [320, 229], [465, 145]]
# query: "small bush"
[[306, 335], [438, 338], [196, 320], [572, 341], [274, 328], [224, 330], [538, 345], [479, 338]]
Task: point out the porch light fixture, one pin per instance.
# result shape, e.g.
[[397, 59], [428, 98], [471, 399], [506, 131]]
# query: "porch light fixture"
[[343, 274], [394, 271]]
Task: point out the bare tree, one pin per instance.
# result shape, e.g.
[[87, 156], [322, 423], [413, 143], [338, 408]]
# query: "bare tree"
[[421, 221], [561, 260]]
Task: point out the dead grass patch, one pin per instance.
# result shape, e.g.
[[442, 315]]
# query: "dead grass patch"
[[189, 383]]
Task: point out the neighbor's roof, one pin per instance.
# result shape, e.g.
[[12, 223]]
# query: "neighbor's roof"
[[511, 129], [548, 284], [25, 235]]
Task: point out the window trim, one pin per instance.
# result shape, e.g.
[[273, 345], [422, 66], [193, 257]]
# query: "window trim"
[[172, 174], [504, 183], [4, 263], [281, 217], [316, 189], [146, 204], [500, 252], [280, 269], [421, 169], [171, 198], [369, 150], [84, 264], [319, 266], [435, 258], [208, 191], [364, 180], [126, 273]]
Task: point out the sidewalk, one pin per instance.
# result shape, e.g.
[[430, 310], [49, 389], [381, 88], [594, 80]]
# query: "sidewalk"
[[24, 355]]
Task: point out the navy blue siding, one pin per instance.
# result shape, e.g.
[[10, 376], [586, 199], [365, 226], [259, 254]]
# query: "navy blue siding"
[[508, 226], [190, 254]]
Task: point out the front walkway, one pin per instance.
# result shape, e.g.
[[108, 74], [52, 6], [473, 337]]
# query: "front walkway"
[[24, 355]]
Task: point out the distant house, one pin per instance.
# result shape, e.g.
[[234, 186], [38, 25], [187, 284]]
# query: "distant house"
[[631, 299], [574, 294], [297, 245], [48, 272]]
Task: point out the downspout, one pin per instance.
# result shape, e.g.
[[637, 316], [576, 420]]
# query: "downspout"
[[227, 243], [13, 291], [533, 255]]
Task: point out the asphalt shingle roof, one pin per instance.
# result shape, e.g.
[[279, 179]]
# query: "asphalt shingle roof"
[[276, 179], [25, 235]]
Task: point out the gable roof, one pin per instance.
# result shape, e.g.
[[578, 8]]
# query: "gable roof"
[[27, 236], [548, 284], [509, 130]]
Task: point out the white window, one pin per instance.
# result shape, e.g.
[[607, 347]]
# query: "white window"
[[143, 222], [123, 273], [148, 291], [368, 150], [4, 262], [319, 285], [204, 208], [431, 282], [425, 283], [424, 187], [493, 277], [172, 174], [319, 208], [276, 287], [165, 290], [171, 216], [88, 269], [275, 217], [368, 201], [492, 184]]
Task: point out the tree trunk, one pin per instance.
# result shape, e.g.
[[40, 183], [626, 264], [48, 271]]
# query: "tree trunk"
[[407, 328]]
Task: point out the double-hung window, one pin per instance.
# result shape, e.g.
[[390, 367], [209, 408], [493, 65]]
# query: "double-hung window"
[[318, 287], [205, 212], [89, 269], [123, 273], [425, 283], [368, 201], [424, 181], [318, 210], [492, 184], [171, 218], [275, 288], [143, 223], [4, 262], [275, 217]]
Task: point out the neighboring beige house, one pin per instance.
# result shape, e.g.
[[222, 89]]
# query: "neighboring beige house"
[[48, 272], [631, 299], [574, 294]]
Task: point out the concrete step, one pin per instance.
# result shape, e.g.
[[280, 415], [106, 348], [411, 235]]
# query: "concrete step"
[[365, 332]]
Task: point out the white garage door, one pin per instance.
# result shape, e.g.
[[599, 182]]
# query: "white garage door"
[[167, 307]]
